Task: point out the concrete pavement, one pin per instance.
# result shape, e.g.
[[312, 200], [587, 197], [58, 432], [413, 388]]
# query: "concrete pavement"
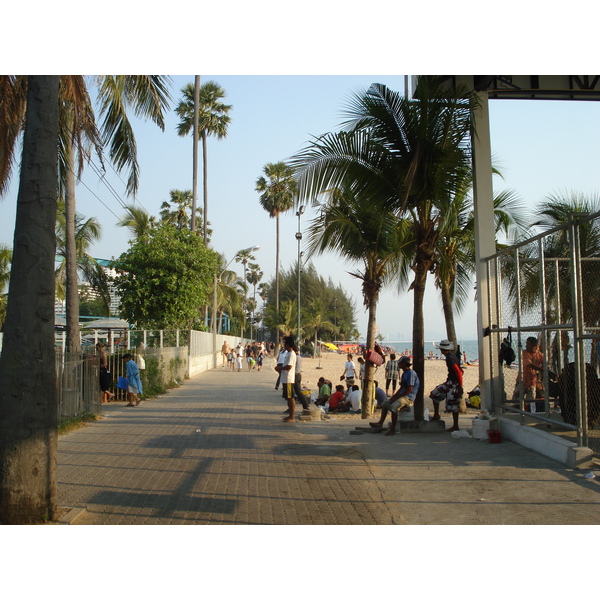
[[215, 451]]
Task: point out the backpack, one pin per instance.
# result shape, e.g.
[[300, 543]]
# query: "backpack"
[[507, 354]]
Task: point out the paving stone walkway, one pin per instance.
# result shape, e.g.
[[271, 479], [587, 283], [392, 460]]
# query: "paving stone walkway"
[[215, 451]]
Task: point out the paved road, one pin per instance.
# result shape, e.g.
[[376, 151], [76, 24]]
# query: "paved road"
[[215, 451]]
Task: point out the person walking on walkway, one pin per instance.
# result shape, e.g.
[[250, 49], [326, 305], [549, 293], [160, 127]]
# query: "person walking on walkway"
[[224, 352], [134, 382], [105, 378], [288, 375], [451, 390], [403, 398]]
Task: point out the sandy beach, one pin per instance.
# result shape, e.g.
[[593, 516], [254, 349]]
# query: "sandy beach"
[[332, 367]]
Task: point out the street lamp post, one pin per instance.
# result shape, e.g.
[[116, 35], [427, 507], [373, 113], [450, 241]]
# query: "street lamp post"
[[214, 307], [299, 238]]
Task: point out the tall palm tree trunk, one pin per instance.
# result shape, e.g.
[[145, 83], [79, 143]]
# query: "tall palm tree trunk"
[[195, 150], [368, 389], [28, 401], [205, 183], [72, 292], [278, 333], [448, 312]]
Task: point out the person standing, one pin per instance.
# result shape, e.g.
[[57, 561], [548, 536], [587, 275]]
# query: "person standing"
[[403, 398], [134, 383], [224, 352], [361, 368], [239, 356], [532, 361], [451, 390], [298, 379], [349, 372], [391, 374], [280, 359], [105, 379], [288, 375]]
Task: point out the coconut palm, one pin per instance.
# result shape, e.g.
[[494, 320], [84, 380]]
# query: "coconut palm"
[[455, 252], [558, 210], [278, 191], [28, 396], [213, 120], [137, 220], [314, 320], [362, 232], [87, 231], [78, 134], [409, 155]]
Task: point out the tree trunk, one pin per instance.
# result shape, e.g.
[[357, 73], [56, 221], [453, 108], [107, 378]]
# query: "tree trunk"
[[368, 388], [449, 313], [205, 178], [72, 287], [28, 400], [278, 333], [418, 339], [195, 151]]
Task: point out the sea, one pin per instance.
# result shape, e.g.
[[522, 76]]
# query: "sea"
[[471, 347]]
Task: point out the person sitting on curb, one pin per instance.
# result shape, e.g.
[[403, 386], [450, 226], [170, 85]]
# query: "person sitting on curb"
[[403, 398], [324, 392]]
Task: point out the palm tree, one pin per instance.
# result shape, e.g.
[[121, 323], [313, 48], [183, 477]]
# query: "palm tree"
[[213, 119], [87, 231], [361, 231], [284, 320], [78, 133], [314, 319], [277, 194], [557, 210], [409, 155], [455, 251], [137, 220], [178, 210], [253, 277], [28, 397]]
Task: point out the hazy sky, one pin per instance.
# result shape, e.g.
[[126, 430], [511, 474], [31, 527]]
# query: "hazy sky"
[[541, 147]]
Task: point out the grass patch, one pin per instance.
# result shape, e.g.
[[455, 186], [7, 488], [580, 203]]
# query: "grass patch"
[[76, 423]]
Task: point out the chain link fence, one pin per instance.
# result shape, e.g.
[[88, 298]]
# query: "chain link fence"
[[544, 304]]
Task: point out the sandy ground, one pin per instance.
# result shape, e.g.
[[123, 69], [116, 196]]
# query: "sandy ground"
[[332, 367]]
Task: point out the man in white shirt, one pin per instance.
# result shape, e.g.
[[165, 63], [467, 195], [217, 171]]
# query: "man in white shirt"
[[349, 372], [354, 398], [288, 376]]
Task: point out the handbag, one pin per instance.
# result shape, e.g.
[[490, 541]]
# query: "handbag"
[[374, 357], [122, 383]]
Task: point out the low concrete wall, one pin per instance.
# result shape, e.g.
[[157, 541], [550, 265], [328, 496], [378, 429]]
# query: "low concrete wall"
[[552, 446]]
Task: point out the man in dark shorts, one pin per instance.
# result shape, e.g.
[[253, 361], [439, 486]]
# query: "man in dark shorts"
[[288, 375], [451, 391]]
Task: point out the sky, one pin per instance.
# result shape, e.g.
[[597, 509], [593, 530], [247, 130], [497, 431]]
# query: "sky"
[[541, 147]]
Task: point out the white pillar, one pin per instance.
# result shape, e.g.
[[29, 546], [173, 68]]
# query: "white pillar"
[[485, 242]]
